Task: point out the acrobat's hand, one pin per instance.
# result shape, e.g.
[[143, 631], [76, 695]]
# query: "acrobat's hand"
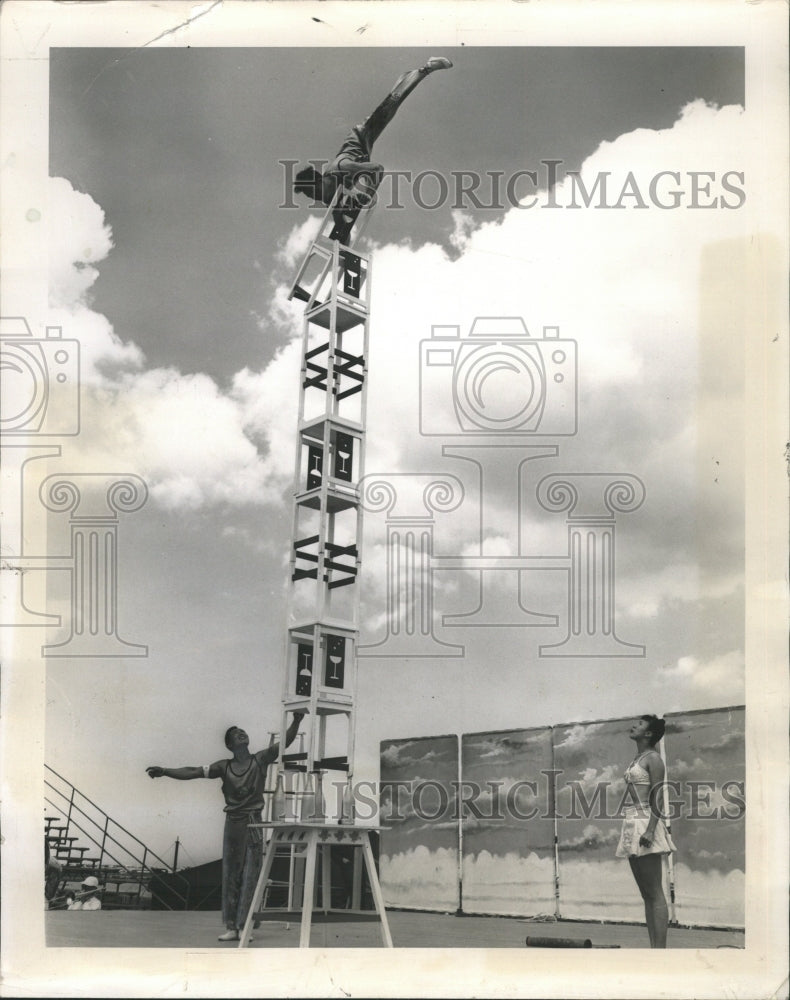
[[646, 840], [155, 771]]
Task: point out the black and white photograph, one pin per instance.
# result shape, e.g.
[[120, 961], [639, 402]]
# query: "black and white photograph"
[[394, 498]]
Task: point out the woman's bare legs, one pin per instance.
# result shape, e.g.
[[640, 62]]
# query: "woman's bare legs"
[[648, 874]]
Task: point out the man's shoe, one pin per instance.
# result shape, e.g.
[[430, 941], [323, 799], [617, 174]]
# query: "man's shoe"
[[229, 936], [437, 62]]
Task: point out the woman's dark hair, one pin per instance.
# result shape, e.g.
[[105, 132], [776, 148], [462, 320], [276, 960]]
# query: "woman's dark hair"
[[227, 735], [656, 727]]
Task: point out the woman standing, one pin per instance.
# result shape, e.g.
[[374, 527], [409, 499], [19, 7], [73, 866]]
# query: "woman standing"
[[644, 839]]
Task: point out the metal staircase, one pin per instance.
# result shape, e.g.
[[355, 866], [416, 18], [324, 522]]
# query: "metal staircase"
[[84, 840]]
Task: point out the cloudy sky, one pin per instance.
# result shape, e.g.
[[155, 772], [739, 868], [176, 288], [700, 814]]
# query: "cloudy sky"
[[171, 255]]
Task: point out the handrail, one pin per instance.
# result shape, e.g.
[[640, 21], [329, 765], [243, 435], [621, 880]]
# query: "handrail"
[[108, 819], [66, 781], [71, 808], [118, 862], [103, 849], [94, 841]]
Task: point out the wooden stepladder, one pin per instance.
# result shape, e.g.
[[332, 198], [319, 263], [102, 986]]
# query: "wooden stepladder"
[[308, 847], [311, 810]]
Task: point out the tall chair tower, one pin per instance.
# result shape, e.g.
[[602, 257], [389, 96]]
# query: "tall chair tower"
[[311, 810]]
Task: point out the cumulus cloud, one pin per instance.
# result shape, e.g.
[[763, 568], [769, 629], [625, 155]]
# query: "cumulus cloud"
[[103, 355], [503, 796], [598, 789], [492, 545], [432, 827], [591, 837], [421, 878], [634, 314], [180, 433], [79, 238], [524, 885], [508, 884], [407, 754], [194, 444], [269, 410], [295, 245], [637, 311], [606, 890], [716, 896], [722, 677], [509, 745], [730, 740], [494, 750], [591, 777], [578, 736], [648, 592]]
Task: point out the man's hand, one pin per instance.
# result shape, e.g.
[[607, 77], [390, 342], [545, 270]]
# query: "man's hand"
[[155, 771]]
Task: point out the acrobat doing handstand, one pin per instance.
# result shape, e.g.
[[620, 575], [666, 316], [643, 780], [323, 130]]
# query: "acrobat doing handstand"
[[352, 167]]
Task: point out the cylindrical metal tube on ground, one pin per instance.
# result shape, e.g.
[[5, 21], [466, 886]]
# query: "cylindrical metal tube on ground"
[[558, 942]]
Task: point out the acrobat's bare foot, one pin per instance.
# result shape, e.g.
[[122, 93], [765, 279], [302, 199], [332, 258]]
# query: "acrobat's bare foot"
[[436, 62]]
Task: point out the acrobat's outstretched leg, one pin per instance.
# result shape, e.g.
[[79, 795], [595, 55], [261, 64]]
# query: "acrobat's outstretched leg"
[[375, 124], [353, 159], [353, 168]]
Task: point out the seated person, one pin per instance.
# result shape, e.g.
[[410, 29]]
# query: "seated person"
[[89, 897]]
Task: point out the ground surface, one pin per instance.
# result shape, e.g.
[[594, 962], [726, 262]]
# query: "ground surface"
[[199, 930]]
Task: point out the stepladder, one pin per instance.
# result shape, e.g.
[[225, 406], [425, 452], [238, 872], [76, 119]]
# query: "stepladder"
[[316, 894]]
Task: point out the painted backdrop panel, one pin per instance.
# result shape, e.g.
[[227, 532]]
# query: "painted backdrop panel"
[[590, 759], [706, 758], [419, 859], [507, 828], [515, 782]]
